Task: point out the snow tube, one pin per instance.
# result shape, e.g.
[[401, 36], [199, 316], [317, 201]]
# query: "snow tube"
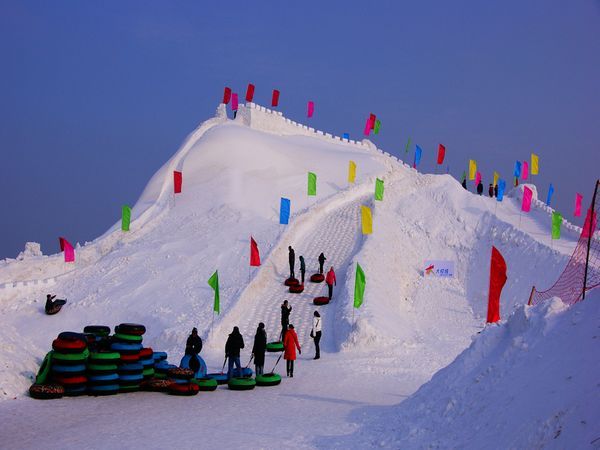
[[66, 380], [147, 363], [163, 366], [68, 369], [148, 373], [54, 309], [70, 358], [135, 357], [44, 369], [291, 282], [99, 330], [296, 288], [70, 335], [268, 379], [101, 369], [180, 373], [154, 385], [129, 388], [245, 372], [205, 384], [75, 391], [130, 369], [72, 345], [275, 346], [317, 278], [131, 378], [46, 391], [108, 389], [127, 338], [103, 380], [321, 301], [130, 328], [126, 349], [159, 356], [147, 353], [220, 378], [185, 363], [241, 384], [104, 357], [187, 389]]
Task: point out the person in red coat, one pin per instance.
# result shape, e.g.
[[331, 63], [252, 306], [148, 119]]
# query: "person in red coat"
[[330, 280], [290, 344]]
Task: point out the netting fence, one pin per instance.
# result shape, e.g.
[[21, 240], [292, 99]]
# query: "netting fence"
[[582, 272]]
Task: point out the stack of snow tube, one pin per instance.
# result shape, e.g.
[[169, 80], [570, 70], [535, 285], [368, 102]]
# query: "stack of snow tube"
[[69, 358], [102, 372], [127, 340], [181, 383], [97, 336]]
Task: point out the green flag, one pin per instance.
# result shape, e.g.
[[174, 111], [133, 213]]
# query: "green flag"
[[378, 189], [359, 286], [556, 223], [312, 183], [377, 126], [407, 146], [213, 282], [125, 217]]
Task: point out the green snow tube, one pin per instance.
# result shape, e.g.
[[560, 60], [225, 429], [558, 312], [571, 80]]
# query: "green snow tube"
[[70, 358], [128, 338], [42, 374], [205, 383], [241, 384], [275, 346], [104, 358], [102, 368], [268, 379]]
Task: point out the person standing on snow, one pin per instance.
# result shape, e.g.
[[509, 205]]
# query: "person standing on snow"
[[259, 348], [302, 268], [292, 258], [193, 346], [464, 183], [491, 190], [321, 262], [480, 188], [496, 191], [315, 333], [285, 317], [330, 280], [290, 344], [235, 342]]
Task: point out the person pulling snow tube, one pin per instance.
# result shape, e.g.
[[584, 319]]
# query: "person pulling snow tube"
[[98, 330], [320, 301], [317, 278], [44, 370], [241, 383], [205, 384], [291, 282], [131, 328], [220, 378], [187, 389], [268, 379], [46, 391], [296, 288], [275, 346]]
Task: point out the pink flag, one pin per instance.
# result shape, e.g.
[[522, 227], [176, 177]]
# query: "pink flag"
[[311, 108], [478, 178], [578, 198], [65, 246], [525, 170], [368, 127], [527, 194], [586, 226], [234, 102]]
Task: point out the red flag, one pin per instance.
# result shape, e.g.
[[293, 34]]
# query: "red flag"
[[254, 255], [275, 99], [441, 154], [227, 95], [497, 281], [250, 92], [372, 118], [177, 180], [65, 246], [586, 226]]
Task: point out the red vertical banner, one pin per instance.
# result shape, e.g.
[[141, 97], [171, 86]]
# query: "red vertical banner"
[[227, 95], [177, 181], [441, 154], [67, 248], [372, 119], [586, 226], [275, 98], [250, 92], [254, 254], [311, 108], [497, 281]]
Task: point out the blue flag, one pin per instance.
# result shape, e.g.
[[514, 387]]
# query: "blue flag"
[[284, 211], [517, 169], [418, 153], [501, 189], [550, 193], [346, 136]]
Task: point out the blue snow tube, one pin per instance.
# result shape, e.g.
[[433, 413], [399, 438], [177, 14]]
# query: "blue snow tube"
[[185, 363], [147, 363], [68, 369], [245, 373], [103, 380], [109, 389], [221, 378], [124, 348], [131, 377], [159, 356]]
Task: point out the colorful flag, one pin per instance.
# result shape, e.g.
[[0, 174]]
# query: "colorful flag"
[[250, 92], [472, 169], [65, 246], [441, 154], [464, 176], [578, 198], [497, 281], [478, 177], [227, 95], [125, 217], [379, 189], [377, 126], [367, 127], [311, 108], [407, 146], [517, 171], [234, 102], [556, 223], [496, 176], [213, 282], [275, 98], [284, 211], [312, 183], [418, 154], [525, 171], [360, 282], [586, 226], [351, 172], [367, 220], [346, 136], [177, 181], [372, 119], [527, 195], [535, 168], [550, 194], [501, 189], [254, 253]]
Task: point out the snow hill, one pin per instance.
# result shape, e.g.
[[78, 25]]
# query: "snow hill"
[[410, 327]]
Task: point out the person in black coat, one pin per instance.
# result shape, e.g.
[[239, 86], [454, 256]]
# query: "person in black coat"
[[286, 309], [321, 262], [480, 188], [496, 191], [464, 183], [302, 268], [235, 342], [259, 348], [491, 190], [193, 346], [292, 258], [49, 302]]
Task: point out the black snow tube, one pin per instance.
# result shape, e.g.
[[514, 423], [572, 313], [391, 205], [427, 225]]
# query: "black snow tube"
[[297, 289], [291, 282], [46, 391], [98, 330], [241, 384], [317, 278], [319, 301], [130, 328], [205, 383], [268, 379], [275, 346]]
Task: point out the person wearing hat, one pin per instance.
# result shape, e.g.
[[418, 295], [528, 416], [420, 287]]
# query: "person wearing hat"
[[233, 346], [290, 344], [193, 346], [259, 348]]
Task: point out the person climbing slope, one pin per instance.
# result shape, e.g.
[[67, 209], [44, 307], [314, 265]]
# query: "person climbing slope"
[[259, 348], [290, 344], [330, 280], [491, 190], [292, 258], [480, 188], [193, 346], [315, 333], [302, 268], [321, 262], [235, 342], [286, 309]]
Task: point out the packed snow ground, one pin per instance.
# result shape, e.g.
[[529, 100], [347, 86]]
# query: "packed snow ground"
[[408, 328]]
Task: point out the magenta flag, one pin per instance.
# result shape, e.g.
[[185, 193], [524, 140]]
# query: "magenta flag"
[[65, 246], [234, 102], [525, 170], [586, 226], [578, 198], [368, 127], [477, 177], [311, 108], [527, 195]]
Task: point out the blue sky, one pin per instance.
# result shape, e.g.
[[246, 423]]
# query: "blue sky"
[[95, 96]]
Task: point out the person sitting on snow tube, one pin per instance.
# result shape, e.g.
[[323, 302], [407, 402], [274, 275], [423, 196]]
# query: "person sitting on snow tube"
[[193, 346], [49, 302], [259, 348], [235, 342]]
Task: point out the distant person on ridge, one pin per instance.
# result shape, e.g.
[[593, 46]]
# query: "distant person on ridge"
[[290, 344], [286, 309], [292, 258], [302, 268], [259, 348], [235, 342], [330, 280], [193, 346], [480, 188], [464, 183], [491, 190], [321, 262], [496, 191], [315, 333]]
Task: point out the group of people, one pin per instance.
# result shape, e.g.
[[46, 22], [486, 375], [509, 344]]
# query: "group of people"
[[330, 279], [492, 189]]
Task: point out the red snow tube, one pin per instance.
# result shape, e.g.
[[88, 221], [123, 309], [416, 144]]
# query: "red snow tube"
[[69, 381], [130, 358], [69, 345], [317, 278], [183, 389], [146, 353], [291, 282], [321, 300], [296, 288]]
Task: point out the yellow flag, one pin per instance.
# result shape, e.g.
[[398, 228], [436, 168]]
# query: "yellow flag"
[[351, 172], [472, 169], [367, 220], [535, 168], [496, 176]]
